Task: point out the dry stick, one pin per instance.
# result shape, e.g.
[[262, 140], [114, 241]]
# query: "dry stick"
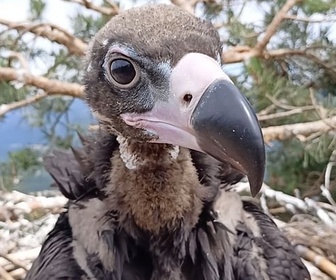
[[320, 262], [326, 187], [18, 273], [5, 275], [14, 261], [289, 131]]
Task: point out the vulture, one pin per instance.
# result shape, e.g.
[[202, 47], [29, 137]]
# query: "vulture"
[[150, 191]]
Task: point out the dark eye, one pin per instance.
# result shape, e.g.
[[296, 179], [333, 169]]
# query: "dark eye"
[[123, 72]]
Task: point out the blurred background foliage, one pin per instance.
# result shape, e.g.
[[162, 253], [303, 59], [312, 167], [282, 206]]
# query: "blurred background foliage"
[[303, 83]]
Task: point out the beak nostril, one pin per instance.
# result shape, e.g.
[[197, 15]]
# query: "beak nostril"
[[187, 98]]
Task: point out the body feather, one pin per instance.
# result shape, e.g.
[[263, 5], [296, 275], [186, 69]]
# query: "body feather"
[[241, 243]]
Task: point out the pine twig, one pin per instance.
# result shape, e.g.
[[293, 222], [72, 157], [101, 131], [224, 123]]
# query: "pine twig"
[[319, 261]]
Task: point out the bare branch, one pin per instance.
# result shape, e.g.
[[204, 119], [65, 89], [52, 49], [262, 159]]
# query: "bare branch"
[[267, 110], [285, 114], [242, 53], [274, 25], [311, 20], [52, 87], [238, 54], [51, 32], [5, 108], [108, 11], [288, 131]]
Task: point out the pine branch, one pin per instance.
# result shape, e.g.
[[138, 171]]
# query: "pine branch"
[[242, 53], [285, 114], [311, 20], [303, 52], [49, 86], [300, 130], [5, 108], [274, 25], [108, 11], [51, 32], [52, 87]]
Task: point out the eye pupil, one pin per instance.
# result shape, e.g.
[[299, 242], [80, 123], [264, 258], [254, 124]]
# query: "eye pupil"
[[122, 71]]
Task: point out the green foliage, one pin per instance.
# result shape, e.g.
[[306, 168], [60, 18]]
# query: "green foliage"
[[85, 27], [291, 165], [37, 8], [280, 84], [10, 93], [19, 163], [6, 176], [318, 6], [24, 159]]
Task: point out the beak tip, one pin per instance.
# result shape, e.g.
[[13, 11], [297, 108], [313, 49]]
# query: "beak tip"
[[254, 189], [256, 179], [228, 129]]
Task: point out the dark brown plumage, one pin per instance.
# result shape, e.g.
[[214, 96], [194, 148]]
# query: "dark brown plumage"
[[142, 205]]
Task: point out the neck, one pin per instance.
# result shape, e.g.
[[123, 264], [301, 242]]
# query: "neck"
[[156, 185]]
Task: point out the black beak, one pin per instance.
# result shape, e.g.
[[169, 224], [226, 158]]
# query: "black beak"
[[217, 120], [227, 129]]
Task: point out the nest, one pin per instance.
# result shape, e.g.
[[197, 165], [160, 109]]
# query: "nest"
[[25, 220]]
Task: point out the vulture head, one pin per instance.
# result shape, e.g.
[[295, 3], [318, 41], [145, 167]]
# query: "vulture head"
[[154, 75], [142, 204]]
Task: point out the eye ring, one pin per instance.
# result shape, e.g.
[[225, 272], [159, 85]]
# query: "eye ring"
[[122, 72]]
